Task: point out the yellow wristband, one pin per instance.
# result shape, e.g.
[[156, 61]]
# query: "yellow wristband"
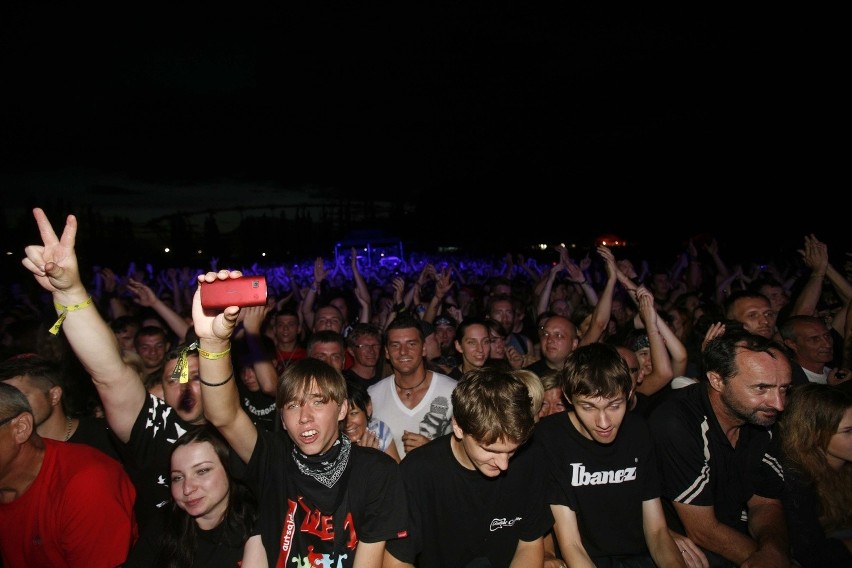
[[63, 312], [211, 355]]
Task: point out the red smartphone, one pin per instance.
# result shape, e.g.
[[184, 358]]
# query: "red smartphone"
[[243, 291]]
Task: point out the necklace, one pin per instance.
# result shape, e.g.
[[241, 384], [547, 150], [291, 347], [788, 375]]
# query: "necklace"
[[285, 363], [67, 428], [409, 390]]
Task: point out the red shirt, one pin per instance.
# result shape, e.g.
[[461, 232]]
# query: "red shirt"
[[77, 512]]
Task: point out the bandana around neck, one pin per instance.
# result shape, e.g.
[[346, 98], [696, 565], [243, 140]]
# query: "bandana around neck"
[[326, 468]]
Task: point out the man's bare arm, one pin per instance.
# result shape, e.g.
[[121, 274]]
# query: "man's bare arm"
[[55, 267], [218, 385]]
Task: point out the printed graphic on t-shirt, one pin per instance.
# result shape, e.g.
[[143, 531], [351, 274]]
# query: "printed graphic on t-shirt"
[[437, 421], [307, 540]]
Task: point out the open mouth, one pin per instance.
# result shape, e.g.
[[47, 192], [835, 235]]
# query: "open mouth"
[[187, 402], [309, 435]]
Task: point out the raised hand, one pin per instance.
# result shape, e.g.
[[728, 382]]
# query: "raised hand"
[[319, 270], [210, 324], [444, 283], [714, 331], [575, 274], [609, 260], [109, 281], [254, 316], [815, 254], [54, 263], [398, 284], [690, 249], [143, 294]]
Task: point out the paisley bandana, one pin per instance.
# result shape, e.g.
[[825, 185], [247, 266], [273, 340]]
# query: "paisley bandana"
[[326, 468]]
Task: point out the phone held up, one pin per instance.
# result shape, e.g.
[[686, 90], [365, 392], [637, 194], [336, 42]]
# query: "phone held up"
[[243, 292]]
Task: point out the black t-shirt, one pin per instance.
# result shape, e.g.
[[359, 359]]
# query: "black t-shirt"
[[458, 515], [351, 375], [291, 522], [604, 484], [95, 432], [147, 456], [259, 406], [539, 367], [213, 548]]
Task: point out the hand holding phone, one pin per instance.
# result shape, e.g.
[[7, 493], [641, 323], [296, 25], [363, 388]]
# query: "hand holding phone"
[[243, 292]]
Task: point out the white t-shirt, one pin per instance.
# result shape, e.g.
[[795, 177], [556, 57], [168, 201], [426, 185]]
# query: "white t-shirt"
[[821, 378], [430, 418]]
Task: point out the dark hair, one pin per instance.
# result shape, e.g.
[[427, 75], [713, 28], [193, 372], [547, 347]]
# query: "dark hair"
[[495, 326], [41, 372], [150, 330], [468, 322], [404, 322], [594, 370], [326, 336], [490, 404], [357, 395], [180, 537], [287, 311], [123, 322], [720, 353]]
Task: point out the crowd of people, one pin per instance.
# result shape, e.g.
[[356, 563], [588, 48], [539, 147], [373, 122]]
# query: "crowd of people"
[[593, 411]]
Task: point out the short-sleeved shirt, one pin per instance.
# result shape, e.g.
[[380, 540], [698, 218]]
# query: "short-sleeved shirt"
[[78, 511], [147, 456], [458, 515], [605, 485], [297, 526], [699, 465]]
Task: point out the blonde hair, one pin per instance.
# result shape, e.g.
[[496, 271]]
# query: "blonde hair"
[[535, 387]]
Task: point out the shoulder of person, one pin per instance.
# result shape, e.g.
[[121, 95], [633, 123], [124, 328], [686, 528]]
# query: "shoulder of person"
[[371, 458], [442, 378], [425, 456], [379, 386]]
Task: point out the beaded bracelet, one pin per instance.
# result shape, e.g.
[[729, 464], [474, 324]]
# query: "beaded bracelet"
[[63, 312], [226, 381], [213, 356]]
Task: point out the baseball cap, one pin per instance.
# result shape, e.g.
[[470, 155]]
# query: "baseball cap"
[[444, 320]]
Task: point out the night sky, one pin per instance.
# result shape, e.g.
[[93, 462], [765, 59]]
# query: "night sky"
[[497, 119]]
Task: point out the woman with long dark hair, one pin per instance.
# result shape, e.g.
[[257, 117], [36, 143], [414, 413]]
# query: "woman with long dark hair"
[[816, 436], [211, 515]]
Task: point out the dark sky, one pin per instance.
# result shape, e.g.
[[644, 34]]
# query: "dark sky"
[[503, 117]]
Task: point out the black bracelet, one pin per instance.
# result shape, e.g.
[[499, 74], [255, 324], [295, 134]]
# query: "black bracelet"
[[226, 381]]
